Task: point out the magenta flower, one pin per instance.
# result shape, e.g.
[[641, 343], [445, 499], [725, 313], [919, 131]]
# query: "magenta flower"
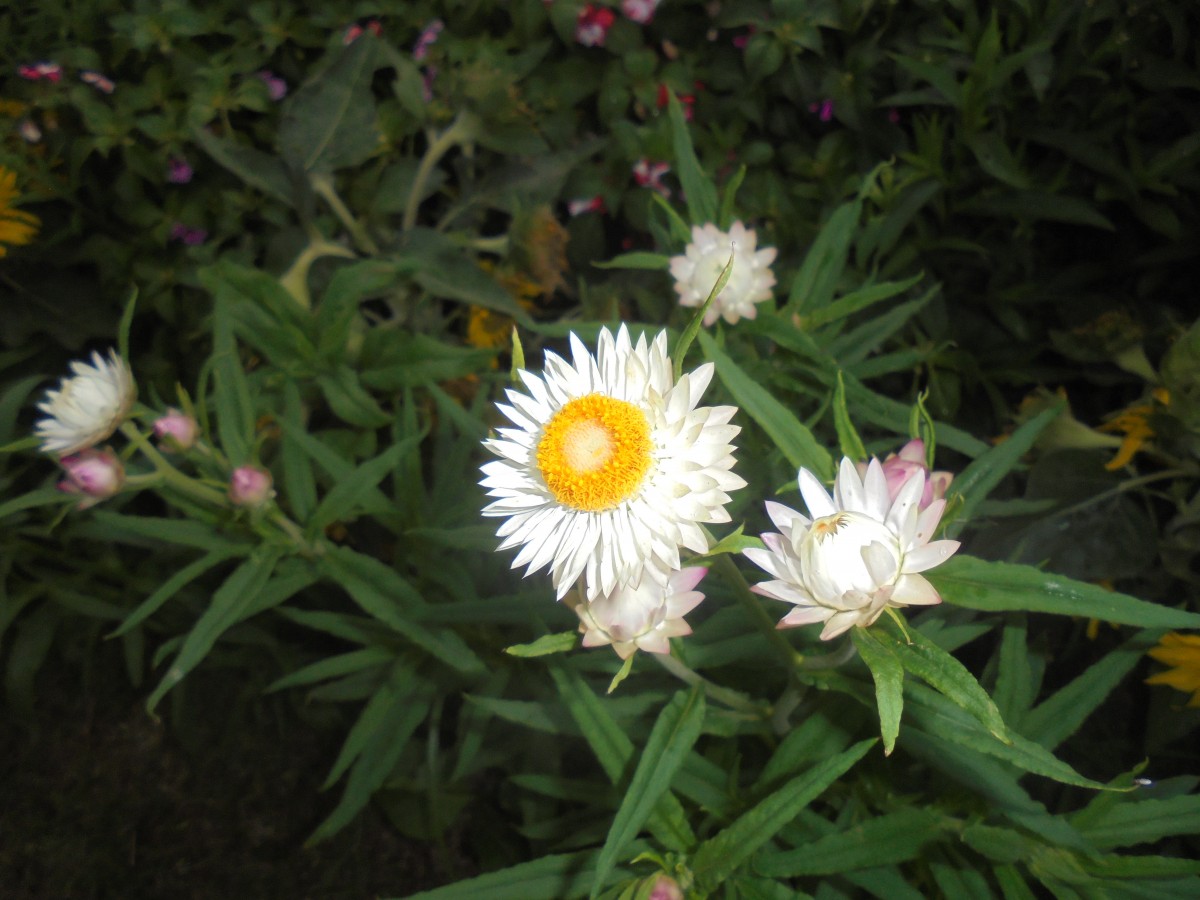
[[592, 24], [38, 71], [823, 110], [900, 467], [427, 39], [99, 82], [586, 205], [186, 235], [93, 474], [276, 87], [648, 174], [250, 487], [176, 431], [640, 11], [179, 171]]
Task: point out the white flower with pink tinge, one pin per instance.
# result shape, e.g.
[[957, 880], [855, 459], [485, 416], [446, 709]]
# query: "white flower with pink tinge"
[[860, 553], [641, 618], [88, 406], [696, 272]]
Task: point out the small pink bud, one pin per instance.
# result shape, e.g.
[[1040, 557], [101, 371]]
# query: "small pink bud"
[[665, 888], [96, 474], [176, 431], [898, 468], [250, 486]]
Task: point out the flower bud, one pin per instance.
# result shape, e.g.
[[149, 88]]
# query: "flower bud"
[[665, 888], [176, 430], [898, 468], [250, 487], [95, 474]]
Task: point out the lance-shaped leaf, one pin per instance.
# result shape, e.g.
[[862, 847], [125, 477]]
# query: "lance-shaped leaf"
[[888, 674]]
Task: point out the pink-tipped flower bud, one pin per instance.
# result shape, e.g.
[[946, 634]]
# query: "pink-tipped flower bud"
[[250, 487], [94, 474], [665, 888], [900, 467], [176, 431]]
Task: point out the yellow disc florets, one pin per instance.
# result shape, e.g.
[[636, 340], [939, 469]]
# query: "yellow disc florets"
[[595, 452]]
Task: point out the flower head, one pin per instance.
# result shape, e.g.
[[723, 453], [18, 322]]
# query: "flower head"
[[583, 205], [47, 70], [860, 553], [1182, 653], [641, 618], [427, 38], [650, 174], [88, 406], [179, 170], [96, 474], [277, 88], [250, 487], [611, 466], [592, 24], [640, 11], [17, 227], [187, 235], [176, 430], [697, 270], [97, 80], [898, 468]]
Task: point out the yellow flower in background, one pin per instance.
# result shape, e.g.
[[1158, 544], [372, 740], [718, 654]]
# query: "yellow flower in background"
[[1182, 652], [488, 329], [16, 226], [1134, 424]]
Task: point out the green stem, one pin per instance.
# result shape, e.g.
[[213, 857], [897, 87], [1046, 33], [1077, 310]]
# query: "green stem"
[[758, 614], [460, 129], [170, 475], [689, 676], [323, 185]]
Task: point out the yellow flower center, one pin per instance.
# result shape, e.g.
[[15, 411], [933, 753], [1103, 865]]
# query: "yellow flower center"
[[828, 526], [595, 452]]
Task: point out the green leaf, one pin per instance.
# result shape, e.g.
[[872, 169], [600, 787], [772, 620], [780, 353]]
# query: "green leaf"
[[376, 588], [728, 196], [947, 675], [299, 484], [545, 645], [334, 667], [235, 595], [857, 301], [347, 496], [349, 401], [1059, 716], [639, 259], [813, 286], [614, 751], [375, 713], [849, 441], [41, 497], [448, 271], [698, 189], [169, 588], [153, 530], [231, 394], [986, 471], [788, 433], [330, 122], [697, 320], [1005, 587], [888, 675], [258, 169], [125, 323], [719, 857], [885, 840], [671, 739], [1143, 822], [558, 877], [350, 286]]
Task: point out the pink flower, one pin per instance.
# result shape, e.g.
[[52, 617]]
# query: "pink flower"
[[592, 24], [740, 41], [648, 174], [645, 617], [894, 116], [50, 71], [640, 11], [29, 130], [586, 205], [99, 82], [176, 430], [94, 474], [665, 888], [354, 31], [179, 171], [823, 110], [898, 468], [250, 487], [428, 77], [276, 87], [190, 237], [427, 39]]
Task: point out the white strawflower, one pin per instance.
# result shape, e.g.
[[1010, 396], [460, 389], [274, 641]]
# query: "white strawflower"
[[697, 271], [859, 554], [88, 405], [644, 617], [611, 466]]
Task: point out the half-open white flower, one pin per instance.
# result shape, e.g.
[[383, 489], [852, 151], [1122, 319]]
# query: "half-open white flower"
[[88, 405], [703, 260], [860, 553], [641, 618], [611, 466]]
